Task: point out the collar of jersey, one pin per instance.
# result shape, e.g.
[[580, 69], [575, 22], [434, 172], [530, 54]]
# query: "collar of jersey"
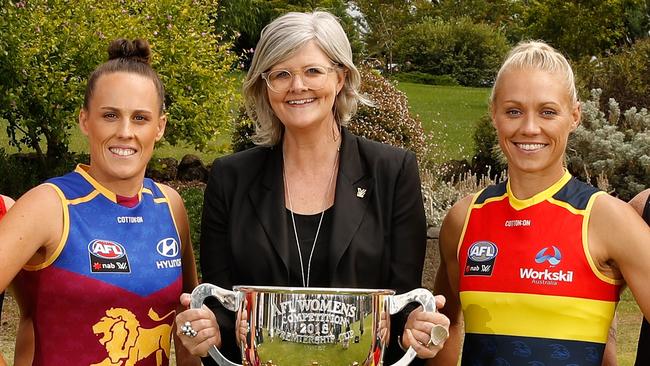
[[544, 195], [82, 169]]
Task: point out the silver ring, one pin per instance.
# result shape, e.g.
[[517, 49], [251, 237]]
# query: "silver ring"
[[438, 335], [187, 330]]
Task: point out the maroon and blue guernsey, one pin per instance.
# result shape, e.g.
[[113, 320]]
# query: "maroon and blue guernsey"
[[109, 293]]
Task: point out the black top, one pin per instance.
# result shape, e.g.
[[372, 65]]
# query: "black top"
[[306, 226], [643, 348]]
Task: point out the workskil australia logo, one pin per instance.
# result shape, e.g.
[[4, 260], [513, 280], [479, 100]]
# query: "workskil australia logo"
[[481, 256], [549, 276]]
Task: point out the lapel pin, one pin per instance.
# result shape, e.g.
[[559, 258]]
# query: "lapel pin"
[[361, 192]]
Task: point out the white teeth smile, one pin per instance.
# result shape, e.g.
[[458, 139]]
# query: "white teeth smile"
[[530, 147], [301, 101], [122, 151]]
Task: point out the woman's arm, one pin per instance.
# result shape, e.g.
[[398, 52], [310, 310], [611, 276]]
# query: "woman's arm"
[[29, 233]]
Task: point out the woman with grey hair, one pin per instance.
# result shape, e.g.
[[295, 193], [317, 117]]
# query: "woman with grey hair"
[[312, 205]]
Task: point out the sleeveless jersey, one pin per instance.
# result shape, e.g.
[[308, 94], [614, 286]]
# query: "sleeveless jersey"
[[530, 292], [109, 294]]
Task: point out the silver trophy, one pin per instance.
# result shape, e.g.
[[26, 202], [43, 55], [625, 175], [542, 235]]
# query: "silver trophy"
[[296, 326]]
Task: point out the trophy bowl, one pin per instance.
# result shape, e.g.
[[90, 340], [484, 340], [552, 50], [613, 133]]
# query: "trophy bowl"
[[310, 326]]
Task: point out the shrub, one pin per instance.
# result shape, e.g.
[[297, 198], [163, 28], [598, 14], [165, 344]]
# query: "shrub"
[[193, 198], [468, 52], [389, 120], [613, 146], [422, 78], [488, 158], [48, 49], [624, 77], [21, 171]]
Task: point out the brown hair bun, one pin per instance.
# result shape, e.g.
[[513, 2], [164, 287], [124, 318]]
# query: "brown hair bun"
[[137, 50]]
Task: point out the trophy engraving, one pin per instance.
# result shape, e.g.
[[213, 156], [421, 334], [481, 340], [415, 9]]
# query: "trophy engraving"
[[312, 326]]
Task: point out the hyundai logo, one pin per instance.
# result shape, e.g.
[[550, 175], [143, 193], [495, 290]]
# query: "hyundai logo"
[[168, 247], [553, 260]]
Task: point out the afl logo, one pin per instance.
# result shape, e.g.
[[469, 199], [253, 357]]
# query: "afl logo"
[[482, 251], [168, 247], [106, 249]]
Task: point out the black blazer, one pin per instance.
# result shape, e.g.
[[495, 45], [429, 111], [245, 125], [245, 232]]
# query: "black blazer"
[[377, 241]]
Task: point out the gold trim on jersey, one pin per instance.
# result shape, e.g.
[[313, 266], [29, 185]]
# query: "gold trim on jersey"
[[532, 315], [82, 169], [467, 215], [64, 234], [547, 194], [171, 211], [585, 243]]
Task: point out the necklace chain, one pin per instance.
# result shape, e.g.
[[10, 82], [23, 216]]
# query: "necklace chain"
[[320, 221]]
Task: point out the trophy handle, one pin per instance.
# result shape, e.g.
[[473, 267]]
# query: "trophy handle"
[[398, 302], [229, 299]]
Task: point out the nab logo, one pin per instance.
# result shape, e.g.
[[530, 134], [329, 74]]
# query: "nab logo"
[[168, 247], [553, 260], [482, 251], [106, 249]]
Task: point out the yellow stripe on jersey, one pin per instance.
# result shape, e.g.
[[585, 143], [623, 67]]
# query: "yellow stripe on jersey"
[[531, 315], [585, 244], [520, 204], [165, 199], [84, 199], [64, 234]]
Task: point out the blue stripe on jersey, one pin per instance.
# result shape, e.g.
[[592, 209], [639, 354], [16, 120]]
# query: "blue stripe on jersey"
[[137, 249], [576, 193], [499, 350]]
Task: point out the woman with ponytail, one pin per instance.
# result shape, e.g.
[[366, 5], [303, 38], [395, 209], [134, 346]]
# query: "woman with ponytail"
[[98, 257]]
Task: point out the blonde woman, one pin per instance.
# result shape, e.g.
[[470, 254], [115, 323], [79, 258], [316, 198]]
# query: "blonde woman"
[[533, 266]]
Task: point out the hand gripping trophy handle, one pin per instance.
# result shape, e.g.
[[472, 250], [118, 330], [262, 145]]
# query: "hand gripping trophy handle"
[[232, 301], [229, 299], [398, 302]]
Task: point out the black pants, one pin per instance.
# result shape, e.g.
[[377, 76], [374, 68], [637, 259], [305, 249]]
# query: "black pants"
[[2, 297], [643, 349]]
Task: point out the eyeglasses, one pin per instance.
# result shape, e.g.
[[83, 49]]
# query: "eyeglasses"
[[312, 77]]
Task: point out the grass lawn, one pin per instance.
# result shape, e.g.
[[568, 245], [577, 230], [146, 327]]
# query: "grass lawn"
[[451, 110]]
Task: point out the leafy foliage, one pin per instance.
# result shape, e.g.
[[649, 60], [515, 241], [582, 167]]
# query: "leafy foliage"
[[49, 47], [586, 28], [471, 53], [612, 145], [624, 76], [488, 158], [244, 19], [389, 120]]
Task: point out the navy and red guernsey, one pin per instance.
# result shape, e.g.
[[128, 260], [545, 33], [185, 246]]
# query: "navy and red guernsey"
[[529, 290], [109, 293]]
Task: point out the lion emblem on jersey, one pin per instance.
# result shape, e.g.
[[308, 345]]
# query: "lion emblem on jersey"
[[127, 342]]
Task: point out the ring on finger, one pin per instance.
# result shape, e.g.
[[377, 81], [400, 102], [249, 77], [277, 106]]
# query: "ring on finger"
[[187, 330], [438, 335]]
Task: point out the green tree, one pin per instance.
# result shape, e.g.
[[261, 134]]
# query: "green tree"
[[49, 47], [586, 27], [469, 52], [505, 15], [382, 21], [244, 19]]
